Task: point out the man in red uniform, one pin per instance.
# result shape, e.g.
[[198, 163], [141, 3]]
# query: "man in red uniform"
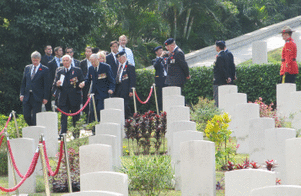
[[289, 67]]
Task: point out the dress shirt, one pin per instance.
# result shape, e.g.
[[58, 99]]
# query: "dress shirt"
[[129, 54], [58, 61], [36, 68]]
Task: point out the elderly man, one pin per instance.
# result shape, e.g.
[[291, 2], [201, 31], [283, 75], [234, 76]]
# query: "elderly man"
[[66, 88], [34, 88], [48, 55], [289, 67], [177, 68], [103, 83], [125, 81], [53, 65], [111, 58], [122, 48], [74, 62]]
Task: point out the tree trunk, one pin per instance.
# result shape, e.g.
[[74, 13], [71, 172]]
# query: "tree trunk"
[[189, 29], [186, 23], [175, 22]]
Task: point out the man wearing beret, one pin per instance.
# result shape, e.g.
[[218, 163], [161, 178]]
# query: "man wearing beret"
[[177, 68], [125, 81], [289, 67], [220, 69], [161, 73]]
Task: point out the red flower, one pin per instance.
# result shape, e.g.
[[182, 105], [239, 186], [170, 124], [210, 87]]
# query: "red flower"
[[40, 69], [125, 66]]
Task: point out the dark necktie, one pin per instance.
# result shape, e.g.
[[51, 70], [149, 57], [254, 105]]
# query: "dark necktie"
[[34, 72]]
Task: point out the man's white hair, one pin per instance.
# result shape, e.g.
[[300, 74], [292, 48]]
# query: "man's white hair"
[[68, 56], [36, 55]]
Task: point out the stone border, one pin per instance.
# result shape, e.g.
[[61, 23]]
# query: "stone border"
[[204, 53]]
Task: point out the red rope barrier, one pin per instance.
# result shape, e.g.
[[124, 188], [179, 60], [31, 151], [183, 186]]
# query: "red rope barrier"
[[1, 140], [6, 124], [13, 159], [76, 113], [150, 94], [50, 172], [27, 175]]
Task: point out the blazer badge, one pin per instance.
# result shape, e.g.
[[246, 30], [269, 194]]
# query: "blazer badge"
[[102, 76]]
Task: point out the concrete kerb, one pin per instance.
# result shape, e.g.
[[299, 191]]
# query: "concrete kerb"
[[194, 57]]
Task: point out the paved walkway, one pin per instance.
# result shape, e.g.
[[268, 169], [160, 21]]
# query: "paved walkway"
[[244, 53]]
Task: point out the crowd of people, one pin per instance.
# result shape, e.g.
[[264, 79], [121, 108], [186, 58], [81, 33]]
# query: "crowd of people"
[[70, 82]]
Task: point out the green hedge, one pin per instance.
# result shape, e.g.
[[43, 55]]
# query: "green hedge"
[[254, 80]]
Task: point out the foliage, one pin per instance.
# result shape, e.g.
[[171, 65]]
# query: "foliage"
[[3, 158], [11, 128], [60, 181], [149, 175], [203, 111], [147, 129], [217, 132]]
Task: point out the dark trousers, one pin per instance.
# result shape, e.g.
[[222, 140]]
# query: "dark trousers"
[[85, 92], [159, 96], [30, 109], [68, 108], [99, 104], [48, 104], [289, 78], [215, 94]]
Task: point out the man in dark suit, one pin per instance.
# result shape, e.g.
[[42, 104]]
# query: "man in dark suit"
[[125, 81], [34, 88], [220, 69], [53, 65], [161, 73], [67, 90], [231, 65], [103, 83], [84, 65], [177, 68], [74, 62], [48, 55], [111, 58]]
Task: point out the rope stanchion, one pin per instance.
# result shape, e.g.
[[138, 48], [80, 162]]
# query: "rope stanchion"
[[27, 175], [76, 113], [13, 159], [46, 182], [16, 124], [50, 172], [156, 100], [6, 124], [149, 96], [134, 98], [67, 163]]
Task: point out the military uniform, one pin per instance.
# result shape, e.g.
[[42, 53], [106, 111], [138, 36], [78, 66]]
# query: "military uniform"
[[69, 94], [102, 81], [289, 66], [160, 76]]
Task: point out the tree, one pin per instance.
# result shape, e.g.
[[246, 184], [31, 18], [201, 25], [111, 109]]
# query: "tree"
[[28, 25]]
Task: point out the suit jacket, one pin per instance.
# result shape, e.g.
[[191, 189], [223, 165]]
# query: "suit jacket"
[[231, 64], [39, 85], [128, 80], [111, 61], [220, 70], [52, 65], [70, 90], [178, 69], [102, 80], [159, 64], [76, 63], [45, 59]]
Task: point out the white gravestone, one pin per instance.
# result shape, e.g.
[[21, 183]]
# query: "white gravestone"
[[109, 140], [231, 100], [178, 138], [113, 116], [50, 122], [171, 90], [279, 190], [105, 181], [296, 38], [94, 193], [259, 52], [223, 90], [23, 150], [198, 168], [283, 98], [293, 161], [95, 157], [35, 132], [242, 182], [179, 126], [296, 109], [257, 138], [115, 103], [244, 112], [111, 129], [275, 148], [170, 101]]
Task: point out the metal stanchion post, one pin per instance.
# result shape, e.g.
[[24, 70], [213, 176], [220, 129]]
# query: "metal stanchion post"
[[45, 174], [11, 164], [67, 163], [134, 97], [154, 85], [94, 107], [16, 124]]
